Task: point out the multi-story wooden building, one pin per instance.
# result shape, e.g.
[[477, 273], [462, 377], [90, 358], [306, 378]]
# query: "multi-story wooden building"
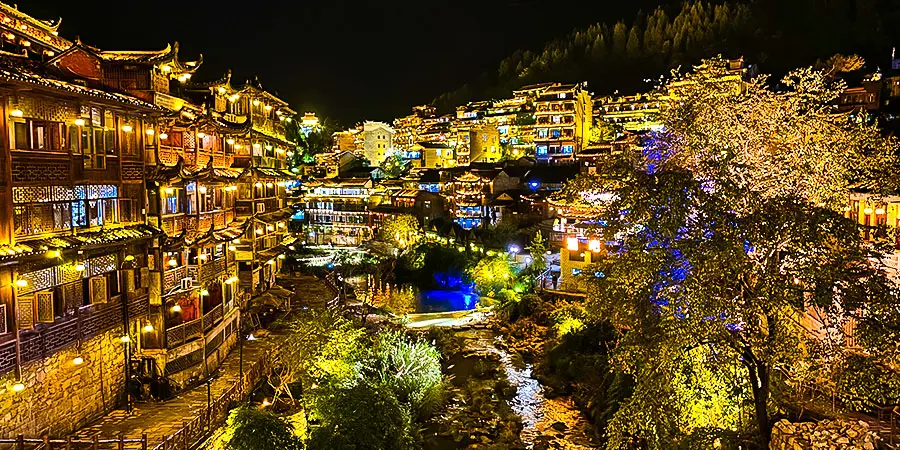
[[139, 211], [336, 211], [564, 116]]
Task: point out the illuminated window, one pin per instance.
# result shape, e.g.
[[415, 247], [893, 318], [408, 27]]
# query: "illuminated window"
[[594, 245], [572, 243]]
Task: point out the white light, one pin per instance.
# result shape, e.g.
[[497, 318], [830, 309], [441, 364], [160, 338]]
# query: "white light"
[[18, 387], [176, 308], [202, 189], [125, 339], [127, 128], [79, 122], [163, 136], [150, 132], [148, 328], [78, 361], [16, 113], [201, 135]]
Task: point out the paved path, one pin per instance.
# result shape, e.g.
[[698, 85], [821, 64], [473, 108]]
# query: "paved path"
[[163, 419]]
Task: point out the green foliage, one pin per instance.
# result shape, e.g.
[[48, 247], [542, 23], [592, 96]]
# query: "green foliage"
[[397, 301], [524, 307], [251, 428], [728, 227], [507, 296], [864, 385], [538, 249], [401, 231], [320, 349], [418, 267], [394, 166], [410, 368], [365, 416], [492, 274]]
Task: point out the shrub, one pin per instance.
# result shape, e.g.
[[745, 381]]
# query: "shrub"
[[366, 416], [411, 368], [864, 385], [251, 428]]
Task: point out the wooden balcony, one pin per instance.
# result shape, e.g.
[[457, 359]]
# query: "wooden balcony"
[[173, 277], [180, 334]]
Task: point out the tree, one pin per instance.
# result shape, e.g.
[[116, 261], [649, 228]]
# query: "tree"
[[411, 368], [538, 248], [319, 349], [394, 166], [492, 274], [251, 428], [728, 229], [401, 231]]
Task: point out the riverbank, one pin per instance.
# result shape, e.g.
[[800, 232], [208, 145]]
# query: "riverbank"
[[495, 400]]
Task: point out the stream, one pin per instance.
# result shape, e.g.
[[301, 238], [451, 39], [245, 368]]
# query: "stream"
[[497, 403]]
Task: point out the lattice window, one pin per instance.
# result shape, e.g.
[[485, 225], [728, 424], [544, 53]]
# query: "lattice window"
[[44, 307], [101, 265], [96, 191], [3, 326], [38, 194], [39, 280], [26, 312]]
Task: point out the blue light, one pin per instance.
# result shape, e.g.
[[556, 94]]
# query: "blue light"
[[534, 185]]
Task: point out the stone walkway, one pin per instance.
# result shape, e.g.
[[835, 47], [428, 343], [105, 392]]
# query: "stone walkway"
[[162, 419]]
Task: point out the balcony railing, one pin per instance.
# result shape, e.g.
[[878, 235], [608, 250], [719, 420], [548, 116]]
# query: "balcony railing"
[[187, 331], [173, 277]]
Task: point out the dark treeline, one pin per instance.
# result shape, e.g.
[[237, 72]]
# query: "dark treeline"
[[776, 34]]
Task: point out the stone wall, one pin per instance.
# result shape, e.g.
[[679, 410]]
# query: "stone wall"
[[61, 396], [827, 434]]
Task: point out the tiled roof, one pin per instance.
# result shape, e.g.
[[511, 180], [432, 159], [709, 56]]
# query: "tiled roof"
[[98, 238], [22, 71]]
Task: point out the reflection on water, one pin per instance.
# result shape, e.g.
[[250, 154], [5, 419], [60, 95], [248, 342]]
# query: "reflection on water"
[[446, 300]]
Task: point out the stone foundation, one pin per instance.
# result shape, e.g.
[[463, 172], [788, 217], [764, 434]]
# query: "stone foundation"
[[826, 434], [60, 396]]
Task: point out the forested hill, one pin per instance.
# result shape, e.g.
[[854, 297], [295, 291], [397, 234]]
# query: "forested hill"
[[775, 34]]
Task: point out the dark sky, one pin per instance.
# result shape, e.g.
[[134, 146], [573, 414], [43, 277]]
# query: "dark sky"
[[345, 60]]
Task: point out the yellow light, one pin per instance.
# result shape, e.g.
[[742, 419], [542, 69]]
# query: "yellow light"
[[202, 257], [231, 280], [173, 263], [257, 146], [150, 132], [202, 189], [879, 211], [16, 113], [78, 361], [258, 184], [18, 387], [22, 283], [269, 185], [867, 211], [236, 241], [594, 245], [290, 154], [268, 107], [26, 43], [127, 128], [270, 228], [79, 267], [166, 68], [54, 254], [125, 339], [201, 135], [266, 402], [204, 292], [282, 183], [170, 191], [280, 225], [129, 258], [255, 102], [271, 261], [176, 308], [281, 256], [79, 122], [238, 146], [163, 136], [148, 328], [259, 231], [232, 248], [221, 90], [572, 243]]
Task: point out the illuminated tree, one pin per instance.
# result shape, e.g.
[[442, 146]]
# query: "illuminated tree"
[[402, 231], [538, 248], [492, 274], [727, 230], [394, 166]]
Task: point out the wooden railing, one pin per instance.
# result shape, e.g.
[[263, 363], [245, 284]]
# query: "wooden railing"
[[45, 443], [173, 277], [207, 418], [182, 333]]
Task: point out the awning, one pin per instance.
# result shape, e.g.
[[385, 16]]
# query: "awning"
[[80, 241], [275, 216]]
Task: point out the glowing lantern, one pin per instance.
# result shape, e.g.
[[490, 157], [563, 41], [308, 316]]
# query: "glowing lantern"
[[572, 243]]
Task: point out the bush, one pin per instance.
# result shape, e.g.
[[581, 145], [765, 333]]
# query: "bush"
[[864, 385], [411, 368], [366, 416], [251, 428], [524, 307]]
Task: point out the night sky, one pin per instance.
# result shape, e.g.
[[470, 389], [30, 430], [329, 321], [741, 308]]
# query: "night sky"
[[347, 61]]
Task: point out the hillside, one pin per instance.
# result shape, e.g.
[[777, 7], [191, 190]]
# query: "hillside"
[[623, 56]]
